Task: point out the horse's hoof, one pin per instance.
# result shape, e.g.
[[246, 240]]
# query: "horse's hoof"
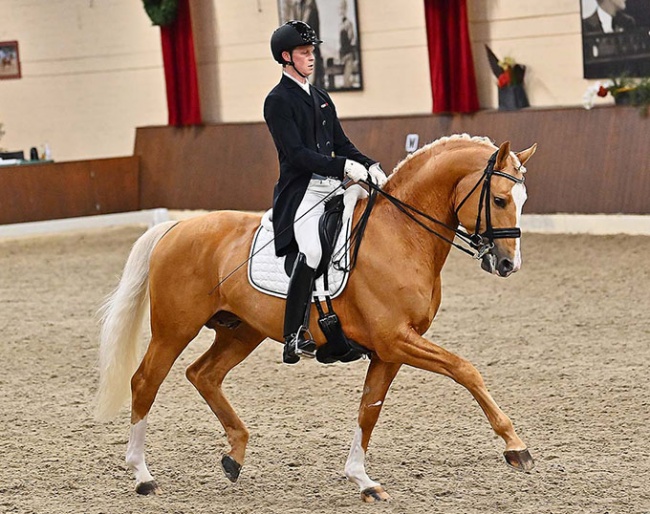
[[521, 460], [231, 468], [375, 494], [147, 488]]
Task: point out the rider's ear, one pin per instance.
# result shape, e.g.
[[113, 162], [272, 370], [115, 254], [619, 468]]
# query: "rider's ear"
[[502, 156], [524, 155]]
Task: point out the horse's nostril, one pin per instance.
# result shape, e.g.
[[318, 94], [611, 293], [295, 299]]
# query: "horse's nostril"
[[505, 266]]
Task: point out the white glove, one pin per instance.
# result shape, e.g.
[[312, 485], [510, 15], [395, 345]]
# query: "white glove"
[[377, 175], [355, 171]]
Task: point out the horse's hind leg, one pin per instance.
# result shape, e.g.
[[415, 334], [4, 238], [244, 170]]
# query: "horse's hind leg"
[[230, 347], [378, 379], [157, 361]]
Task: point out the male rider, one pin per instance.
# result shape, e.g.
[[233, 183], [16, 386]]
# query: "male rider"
[[315, 155]]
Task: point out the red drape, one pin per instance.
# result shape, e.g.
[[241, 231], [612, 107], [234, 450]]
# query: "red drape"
[[180, 69], [453, 82]]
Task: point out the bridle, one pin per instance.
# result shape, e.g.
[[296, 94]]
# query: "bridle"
[[484, 242], [480, 242]]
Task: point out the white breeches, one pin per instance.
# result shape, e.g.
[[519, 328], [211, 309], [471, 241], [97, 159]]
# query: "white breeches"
[[308, 216]]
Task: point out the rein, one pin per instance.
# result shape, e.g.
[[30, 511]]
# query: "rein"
[[242, 264], [481, 243]]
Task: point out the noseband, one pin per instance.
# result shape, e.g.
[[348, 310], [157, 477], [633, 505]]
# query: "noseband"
[[483, 242], [480, 242]]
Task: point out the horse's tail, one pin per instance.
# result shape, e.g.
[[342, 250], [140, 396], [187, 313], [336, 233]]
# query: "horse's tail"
[[122, 314]]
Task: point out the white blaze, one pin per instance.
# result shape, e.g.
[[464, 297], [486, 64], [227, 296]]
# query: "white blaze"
[[519, 196]]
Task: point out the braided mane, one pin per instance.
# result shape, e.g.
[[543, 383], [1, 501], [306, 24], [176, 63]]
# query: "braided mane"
[[444, 141]]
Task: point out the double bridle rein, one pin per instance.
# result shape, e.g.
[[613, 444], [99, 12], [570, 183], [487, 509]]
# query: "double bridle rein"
[[480, 242]]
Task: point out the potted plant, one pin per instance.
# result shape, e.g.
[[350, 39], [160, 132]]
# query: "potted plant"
[[510, 81], [624, 91]]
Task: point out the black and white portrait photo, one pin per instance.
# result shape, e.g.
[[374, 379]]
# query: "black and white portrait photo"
[[615, 38], [338, 58]]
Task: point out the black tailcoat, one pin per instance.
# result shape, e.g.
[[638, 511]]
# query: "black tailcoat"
[[309, 139]]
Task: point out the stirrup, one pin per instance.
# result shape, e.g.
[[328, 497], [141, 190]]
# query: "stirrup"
[[297, 346]]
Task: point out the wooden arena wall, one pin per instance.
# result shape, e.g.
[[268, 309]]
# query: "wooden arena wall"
[[587, 162], [44, 191]]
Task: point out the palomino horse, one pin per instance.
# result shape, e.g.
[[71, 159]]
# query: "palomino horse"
[[179, 264]]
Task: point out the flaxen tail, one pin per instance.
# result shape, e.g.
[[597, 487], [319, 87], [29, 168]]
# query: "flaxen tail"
[[122, 314]]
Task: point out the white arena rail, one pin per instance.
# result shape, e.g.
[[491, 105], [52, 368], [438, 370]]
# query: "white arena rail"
[[595, 224]]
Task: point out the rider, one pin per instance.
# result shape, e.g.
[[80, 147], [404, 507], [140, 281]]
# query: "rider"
[[315, 155]]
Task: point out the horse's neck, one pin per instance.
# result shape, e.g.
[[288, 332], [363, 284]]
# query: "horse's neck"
[[428, 183]]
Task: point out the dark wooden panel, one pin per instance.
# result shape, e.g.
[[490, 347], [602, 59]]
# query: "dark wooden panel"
[[210, 167], [36, 192], [587, 161]]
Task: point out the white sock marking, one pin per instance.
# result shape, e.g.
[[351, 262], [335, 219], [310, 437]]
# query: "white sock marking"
[[355, 468], [135, 452]]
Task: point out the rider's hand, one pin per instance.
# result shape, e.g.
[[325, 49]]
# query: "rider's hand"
[[377, 175], [355, 171]]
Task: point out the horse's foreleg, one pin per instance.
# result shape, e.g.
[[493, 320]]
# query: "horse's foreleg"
[[207, 374], [378, 379], [145, 383], [415, 350]]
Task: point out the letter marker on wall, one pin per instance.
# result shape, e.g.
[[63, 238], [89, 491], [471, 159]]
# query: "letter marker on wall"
[[412, 141]]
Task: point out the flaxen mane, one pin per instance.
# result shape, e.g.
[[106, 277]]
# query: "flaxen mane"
[[444, 141]]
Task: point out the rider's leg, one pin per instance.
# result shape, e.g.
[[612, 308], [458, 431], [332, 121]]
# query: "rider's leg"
[[301, 284], [299, 295]]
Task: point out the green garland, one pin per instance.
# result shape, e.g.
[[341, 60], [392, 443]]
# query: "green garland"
[[161, 12]]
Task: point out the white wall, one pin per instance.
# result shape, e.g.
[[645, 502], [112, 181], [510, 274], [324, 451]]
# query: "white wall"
[[91, 73], [236, 69], [92, 69], [544, 35]]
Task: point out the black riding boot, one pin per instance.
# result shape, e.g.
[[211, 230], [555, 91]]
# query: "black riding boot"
[[296, 314]]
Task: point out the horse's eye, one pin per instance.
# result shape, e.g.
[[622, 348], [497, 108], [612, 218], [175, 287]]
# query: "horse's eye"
[[499, 202]]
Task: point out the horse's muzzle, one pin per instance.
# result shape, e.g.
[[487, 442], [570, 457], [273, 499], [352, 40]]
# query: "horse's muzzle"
[[501, 266]]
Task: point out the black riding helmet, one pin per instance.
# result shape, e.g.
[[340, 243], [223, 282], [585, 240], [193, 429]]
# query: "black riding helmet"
[[291, 35]]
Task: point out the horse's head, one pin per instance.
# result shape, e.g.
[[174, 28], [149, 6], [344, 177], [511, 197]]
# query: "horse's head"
[[489, 204]]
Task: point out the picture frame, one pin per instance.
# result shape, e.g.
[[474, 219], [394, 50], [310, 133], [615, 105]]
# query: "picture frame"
[[618, 44], [9, 60], [338, 58]]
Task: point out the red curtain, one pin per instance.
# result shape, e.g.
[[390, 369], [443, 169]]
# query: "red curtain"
[[180, 69], [453, 82]]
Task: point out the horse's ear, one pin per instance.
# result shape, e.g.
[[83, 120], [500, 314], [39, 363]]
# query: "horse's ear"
[[524, 155], [504, 152]]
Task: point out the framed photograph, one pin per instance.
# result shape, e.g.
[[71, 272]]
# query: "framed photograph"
[[9, 60], [615, 38], [338, 58]]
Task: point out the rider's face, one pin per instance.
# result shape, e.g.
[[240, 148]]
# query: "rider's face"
[[303, 59]]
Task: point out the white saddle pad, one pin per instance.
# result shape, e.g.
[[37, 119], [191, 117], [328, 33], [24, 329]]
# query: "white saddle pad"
[[266, 271]]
